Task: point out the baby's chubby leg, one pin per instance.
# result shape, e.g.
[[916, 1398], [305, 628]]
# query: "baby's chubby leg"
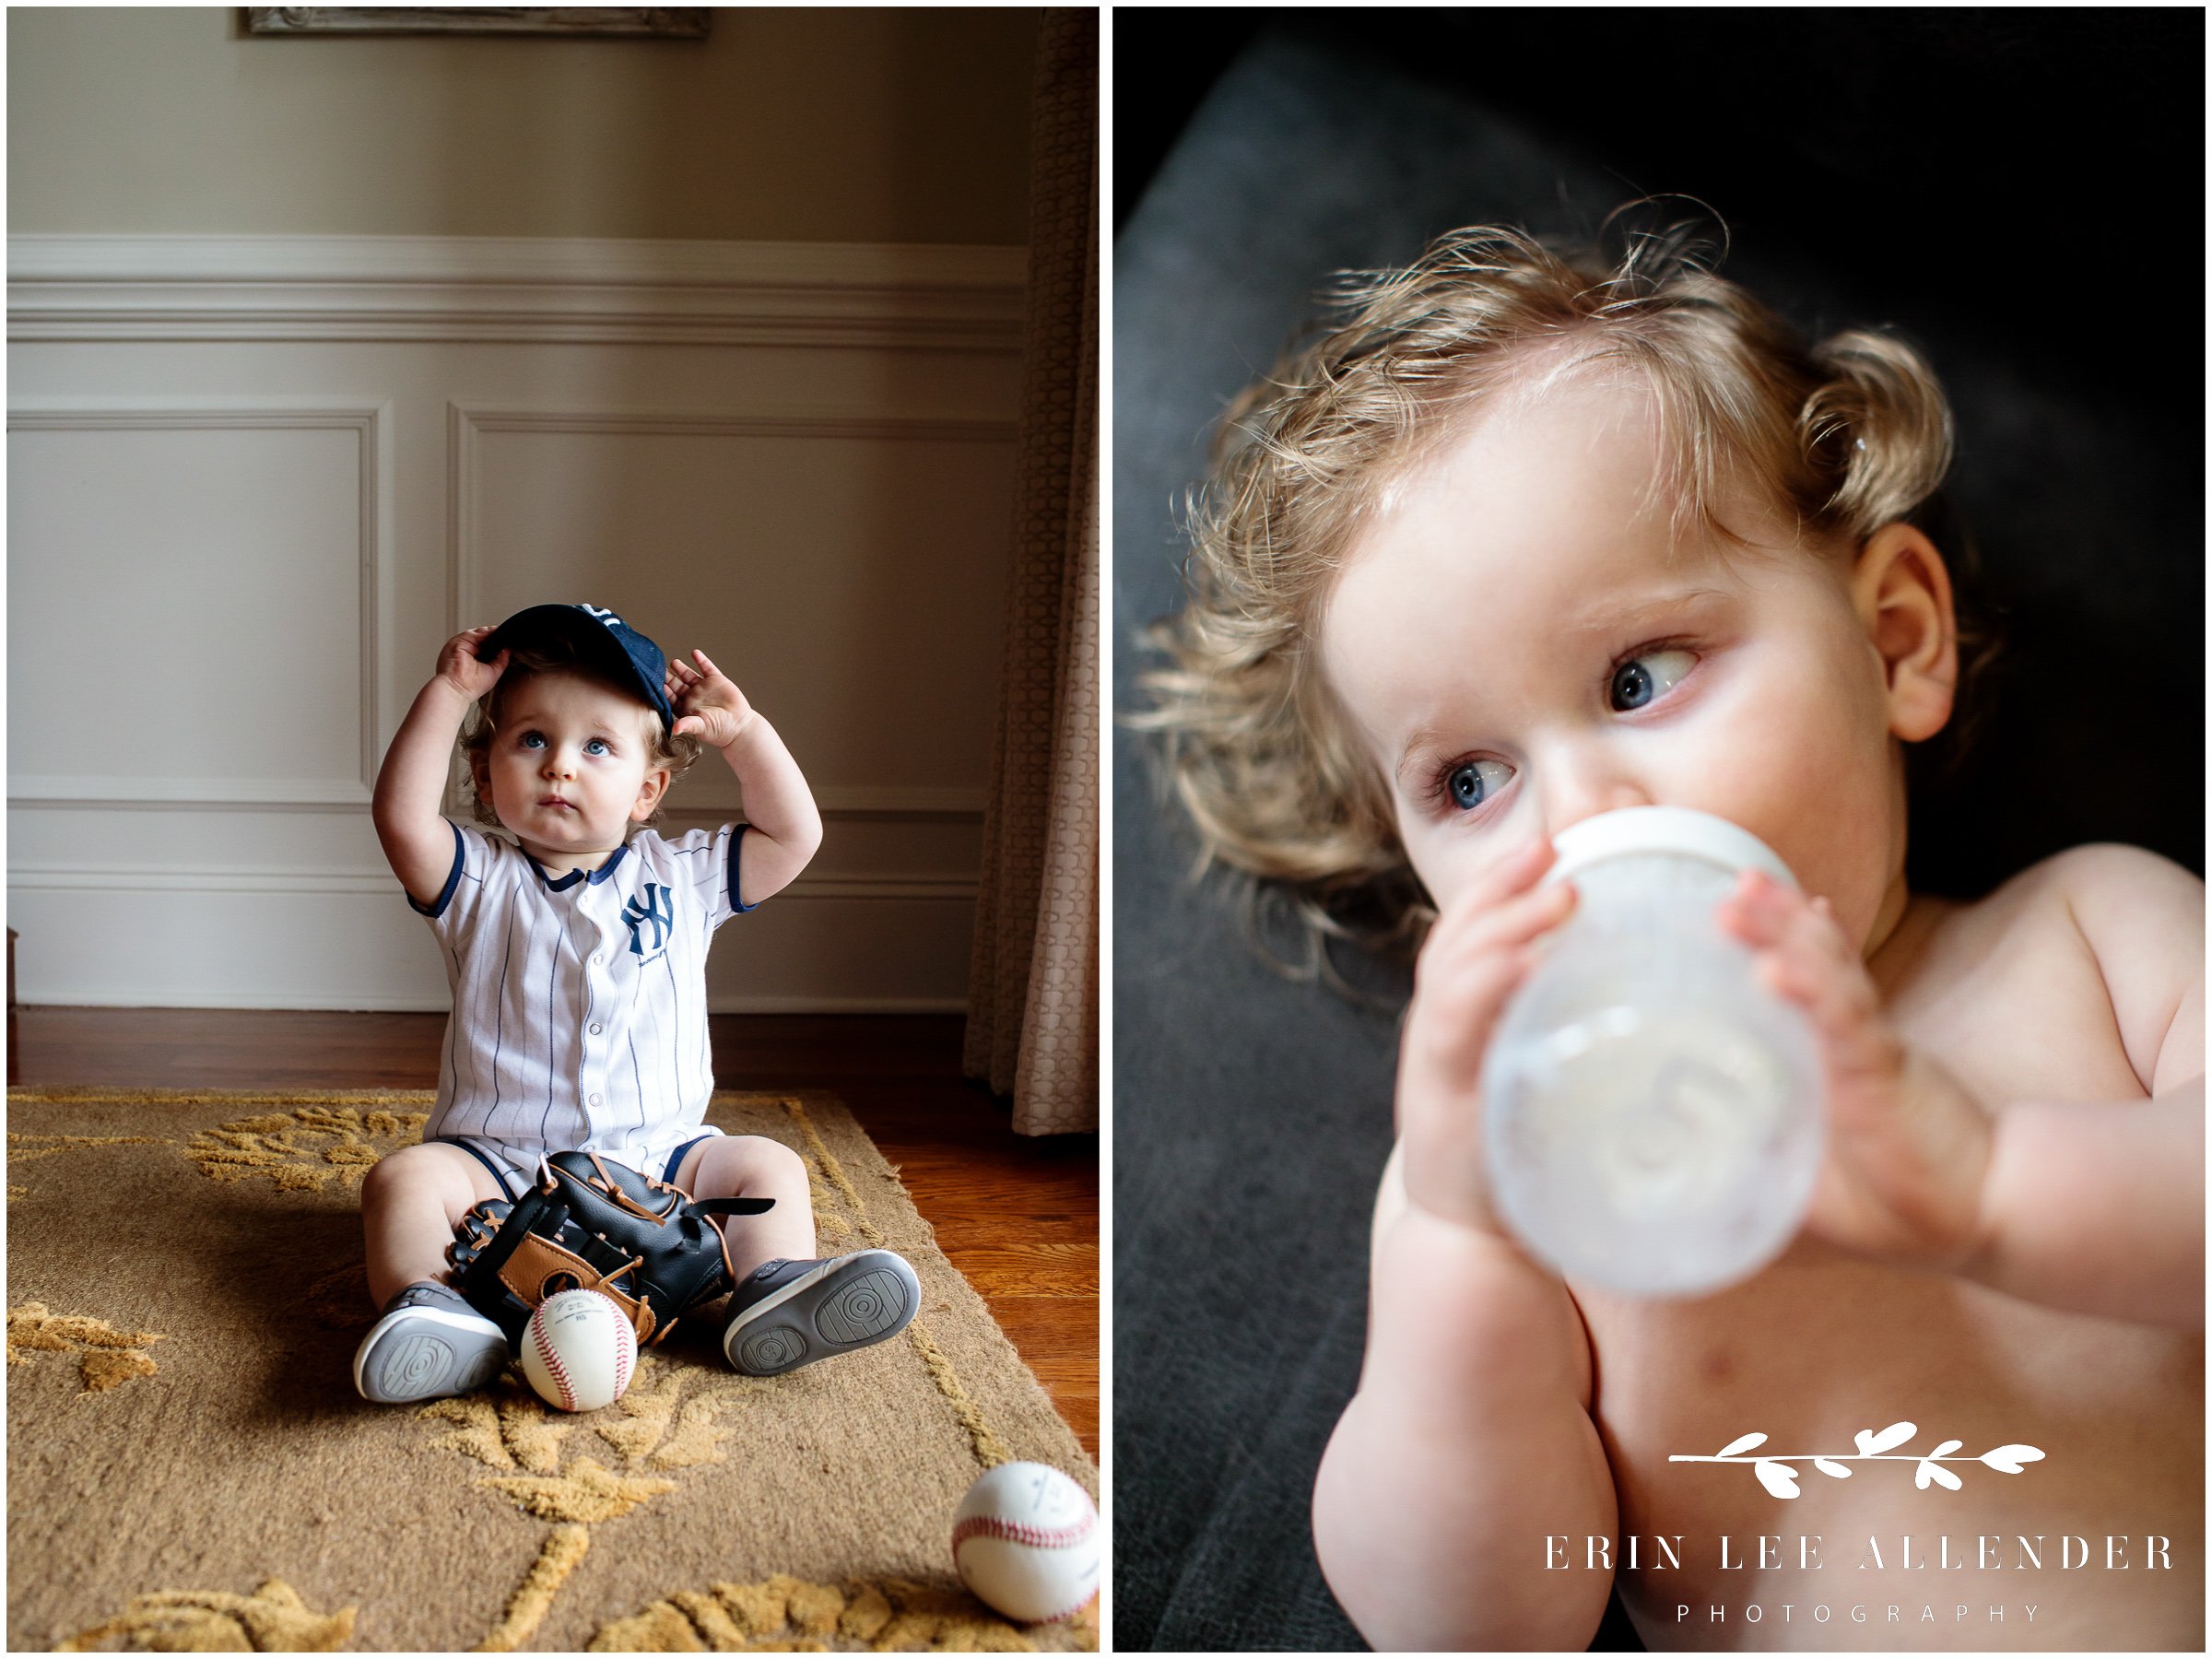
[[790, 1309], [410, 1204], [752, 1166], [428, 1342]]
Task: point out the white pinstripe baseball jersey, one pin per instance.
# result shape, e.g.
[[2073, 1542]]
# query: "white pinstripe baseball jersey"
[[580, 1003]]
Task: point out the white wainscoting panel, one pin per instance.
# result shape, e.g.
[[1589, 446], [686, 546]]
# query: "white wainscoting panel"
[[214, 570], [718, 531], [255, 483]]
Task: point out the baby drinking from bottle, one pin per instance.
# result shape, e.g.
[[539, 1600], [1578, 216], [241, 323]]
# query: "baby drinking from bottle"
[[1527, 540]]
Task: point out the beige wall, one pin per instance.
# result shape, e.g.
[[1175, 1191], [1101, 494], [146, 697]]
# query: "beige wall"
[[749, 372], [905, 125]]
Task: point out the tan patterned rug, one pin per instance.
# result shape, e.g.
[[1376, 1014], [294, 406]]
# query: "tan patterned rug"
[[189, 1467]]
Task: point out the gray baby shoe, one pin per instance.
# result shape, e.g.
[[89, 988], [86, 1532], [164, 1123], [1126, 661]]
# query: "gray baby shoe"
[[427, 1343], [792, 1313]]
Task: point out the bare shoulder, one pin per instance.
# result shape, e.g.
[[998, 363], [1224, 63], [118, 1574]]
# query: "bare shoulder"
[[2095, 888], [2141, 917]]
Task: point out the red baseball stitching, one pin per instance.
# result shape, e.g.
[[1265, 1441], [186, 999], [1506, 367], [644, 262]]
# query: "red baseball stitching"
[[552, 1363], [1020, 1532], [626, 1353]]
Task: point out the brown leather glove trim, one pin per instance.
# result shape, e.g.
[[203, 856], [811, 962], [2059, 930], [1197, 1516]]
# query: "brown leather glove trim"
[[608, 1184], [473, 1232], [537, 1259], [729, 1267]]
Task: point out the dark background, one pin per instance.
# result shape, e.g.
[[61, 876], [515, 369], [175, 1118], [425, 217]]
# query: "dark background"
[[2020, 194], [2062, 145]]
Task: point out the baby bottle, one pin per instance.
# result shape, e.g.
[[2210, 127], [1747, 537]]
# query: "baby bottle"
[[1653, 1116]]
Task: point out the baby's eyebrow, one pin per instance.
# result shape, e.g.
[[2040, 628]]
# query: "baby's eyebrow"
[[1421, 743], [1604, 617]]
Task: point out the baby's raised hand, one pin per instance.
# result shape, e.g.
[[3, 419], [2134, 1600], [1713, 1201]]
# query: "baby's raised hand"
[[708, 705], [461, 668], [1482, 946], [1908, 1148]]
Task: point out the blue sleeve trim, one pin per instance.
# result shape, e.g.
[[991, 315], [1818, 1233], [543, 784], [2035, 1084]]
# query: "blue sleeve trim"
[[452, 879], [739, 906]]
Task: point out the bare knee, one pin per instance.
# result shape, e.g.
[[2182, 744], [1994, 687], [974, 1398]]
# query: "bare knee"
[[772, 1163], [431, 1170], [745, 1165]]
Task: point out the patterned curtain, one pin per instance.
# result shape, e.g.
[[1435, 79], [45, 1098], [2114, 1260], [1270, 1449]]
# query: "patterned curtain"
[[1033, 981]]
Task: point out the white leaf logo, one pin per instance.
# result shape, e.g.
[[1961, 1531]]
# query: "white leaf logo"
[[1778, 1478], [2010, 1458], [1776, 1472], [1936, 1471]]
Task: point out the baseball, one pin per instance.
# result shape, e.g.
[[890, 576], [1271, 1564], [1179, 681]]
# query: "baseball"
[[578, 1351], [1026, 1540]]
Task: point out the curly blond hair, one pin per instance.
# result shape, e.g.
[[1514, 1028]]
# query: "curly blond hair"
[[556, 657], [1842, 437]]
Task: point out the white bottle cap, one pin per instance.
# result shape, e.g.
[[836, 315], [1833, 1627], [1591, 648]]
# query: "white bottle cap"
[[1667, 829]]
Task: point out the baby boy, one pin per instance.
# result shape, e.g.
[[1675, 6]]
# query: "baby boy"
[[1524, 537], [577, 957]]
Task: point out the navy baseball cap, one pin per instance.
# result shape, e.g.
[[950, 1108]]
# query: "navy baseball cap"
[[600, 637]]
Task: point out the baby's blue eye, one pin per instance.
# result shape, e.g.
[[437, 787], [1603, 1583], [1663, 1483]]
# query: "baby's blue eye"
[[1641, 679], [597, 745], [533, 740], [1468, 785]]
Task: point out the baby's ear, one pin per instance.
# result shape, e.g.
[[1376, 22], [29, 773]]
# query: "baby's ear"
[[1902, 593], [649, 795]]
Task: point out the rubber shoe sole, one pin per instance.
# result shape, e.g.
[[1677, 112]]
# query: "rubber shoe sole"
[[851, 1302], [423, 1354]]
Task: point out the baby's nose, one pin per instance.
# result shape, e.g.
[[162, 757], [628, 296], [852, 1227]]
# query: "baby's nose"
[[1570, 800]]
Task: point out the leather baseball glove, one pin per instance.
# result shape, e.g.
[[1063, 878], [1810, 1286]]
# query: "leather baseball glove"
[[593, 1224]]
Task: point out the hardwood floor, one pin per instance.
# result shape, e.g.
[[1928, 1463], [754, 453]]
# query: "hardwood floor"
[[1018, 1216]]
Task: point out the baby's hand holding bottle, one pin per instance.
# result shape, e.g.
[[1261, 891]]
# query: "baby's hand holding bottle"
[[1909, 1149], [1481, 948], [1654, 1114]]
